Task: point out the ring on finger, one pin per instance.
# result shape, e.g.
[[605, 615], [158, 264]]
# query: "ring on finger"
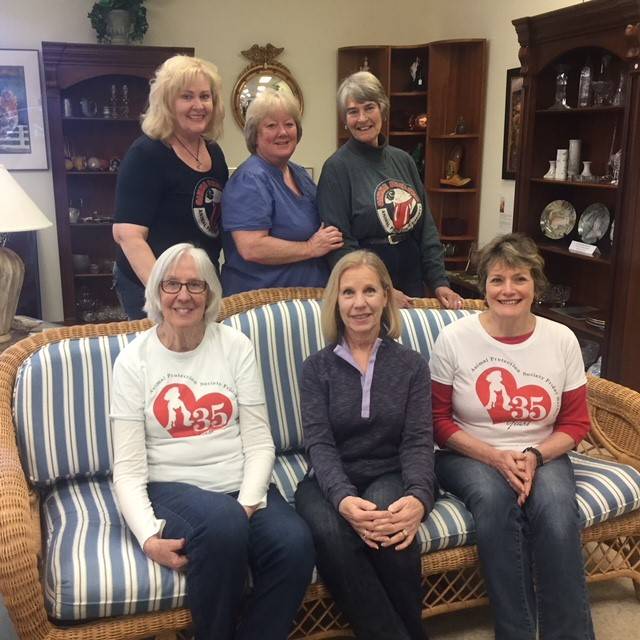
[[405, 533]]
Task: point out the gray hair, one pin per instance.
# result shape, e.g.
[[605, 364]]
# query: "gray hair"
[[332, 325], [265, 104], [166, 260], [514, 250], [362, 86]]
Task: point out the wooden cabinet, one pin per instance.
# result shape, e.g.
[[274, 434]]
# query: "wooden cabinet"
[[95, 95], [559, 41], [454, 75]]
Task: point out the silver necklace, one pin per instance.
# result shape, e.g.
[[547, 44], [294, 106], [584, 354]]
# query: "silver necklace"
[[195, 156]]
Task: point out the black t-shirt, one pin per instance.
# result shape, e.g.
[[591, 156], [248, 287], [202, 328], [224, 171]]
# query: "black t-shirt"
[[155, 189]]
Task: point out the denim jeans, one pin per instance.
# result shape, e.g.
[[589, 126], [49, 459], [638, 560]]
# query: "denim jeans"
[[379, 591], [130, 294], [221, 545], [538, 543]]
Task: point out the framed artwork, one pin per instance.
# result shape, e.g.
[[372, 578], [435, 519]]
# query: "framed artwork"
[[23, 143], [512, 124]]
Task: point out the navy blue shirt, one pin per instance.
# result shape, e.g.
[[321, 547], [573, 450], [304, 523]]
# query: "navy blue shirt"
[[155, 189]]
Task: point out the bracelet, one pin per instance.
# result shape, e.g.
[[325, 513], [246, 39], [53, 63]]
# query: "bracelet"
[[537, 454]]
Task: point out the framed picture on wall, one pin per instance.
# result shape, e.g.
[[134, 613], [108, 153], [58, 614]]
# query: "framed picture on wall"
[[22, 135], [512, 124]]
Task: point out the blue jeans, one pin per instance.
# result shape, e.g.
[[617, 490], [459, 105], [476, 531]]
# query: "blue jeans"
[[130, 294], [379, 591], [538, 543], [221, 545]]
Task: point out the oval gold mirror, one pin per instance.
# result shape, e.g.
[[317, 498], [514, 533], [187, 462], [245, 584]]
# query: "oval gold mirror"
[[264, 73]]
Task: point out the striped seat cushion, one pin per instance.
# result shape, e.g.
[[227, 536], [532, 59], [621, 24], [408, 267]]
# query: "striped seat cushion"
[[286, 333], [604, 490], [61, 408], [93, 566]]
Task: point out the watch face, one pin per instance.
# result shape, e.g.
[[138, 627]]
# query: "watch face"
[[558, 219]]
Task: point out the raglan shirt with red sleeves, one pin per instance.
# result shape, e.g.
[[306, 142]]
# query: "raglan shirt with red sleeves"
[[510, 396]]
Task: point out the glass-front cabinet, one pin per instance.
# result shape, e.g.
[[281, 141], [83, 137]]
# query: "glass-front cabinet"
[[576, 188]]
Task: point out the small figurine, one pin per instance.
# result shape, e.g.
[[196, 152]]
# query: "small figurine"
[[365, 65], [416, 71], [461, 126], [114, 164], [453, 178]]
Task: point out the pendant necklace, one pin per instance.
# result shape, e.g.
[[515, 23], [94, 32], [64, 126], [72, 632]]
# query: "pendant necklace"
[[195, 156]]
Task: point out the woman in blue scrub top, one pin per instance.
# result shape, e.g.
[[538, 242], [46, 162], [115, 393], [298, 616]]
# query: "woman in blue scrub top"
[[272, 231]]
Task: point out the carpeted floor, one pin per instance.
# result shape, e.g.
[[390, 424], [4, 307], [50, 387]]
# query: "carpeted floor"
[[615, 609]]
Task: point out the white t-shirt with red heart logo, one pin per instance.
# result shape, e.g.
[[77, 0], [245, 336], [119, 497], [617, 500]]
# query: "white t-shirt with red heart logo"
[[175, 418], [507, 395]]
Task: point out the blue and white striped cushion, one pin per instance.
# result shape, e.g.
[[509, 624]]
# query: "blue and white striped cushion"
[[604, 490], [284, 335], [94, 567], [61, 408], [421, 327]]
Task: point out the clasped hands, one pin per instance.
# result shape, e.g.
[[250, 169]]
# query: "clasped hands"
[[395, 526], [518, 469]]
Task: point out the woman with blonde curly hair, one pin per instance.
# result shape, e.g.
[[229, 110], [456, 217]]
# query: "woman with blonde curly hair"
[[171, 180]]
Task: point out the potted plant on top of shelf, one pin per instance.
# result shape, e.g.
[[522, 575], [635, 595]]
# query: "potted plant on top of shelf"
[[118, 21]]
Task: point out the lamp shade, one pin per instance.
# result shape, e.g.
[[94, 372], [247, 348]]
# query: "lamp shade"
[[18, 212]]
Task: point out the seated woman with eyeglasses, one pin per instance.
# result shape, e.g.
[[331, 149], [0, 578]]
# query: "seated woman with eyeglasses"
[[193, 456]]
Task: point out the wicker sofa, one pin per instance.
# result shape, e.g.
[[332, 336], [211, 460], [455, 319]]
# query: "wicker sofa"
[[62, 540]]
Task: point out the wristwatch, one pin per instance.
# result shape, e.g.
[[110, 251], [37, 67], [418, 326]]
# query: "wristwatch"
[[537, 454]]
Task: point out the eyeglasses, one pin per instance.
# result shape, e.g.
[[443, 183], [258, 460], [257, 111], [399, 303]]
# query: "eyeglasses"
[[174, 286]]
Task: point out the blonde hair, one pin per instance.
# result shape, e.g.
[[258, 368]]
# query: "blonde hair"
[[513, 250], [266, 103], [171, 77], [332, 325], [166, 260], [361, 86]]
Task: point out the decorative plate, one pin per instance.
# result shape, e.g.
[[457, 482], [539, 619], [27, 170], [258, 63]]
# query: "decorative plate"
[[613, 224], [557, 219], [593, 223]]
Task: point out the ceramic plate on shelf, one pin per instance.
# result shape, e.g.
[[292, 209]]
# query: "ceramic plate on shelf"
[[557, 219], [613, 224], [593, 223]]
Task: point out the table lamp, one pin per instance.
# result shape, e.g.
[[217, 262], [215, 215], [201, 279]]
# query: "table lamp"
[[18, 212]]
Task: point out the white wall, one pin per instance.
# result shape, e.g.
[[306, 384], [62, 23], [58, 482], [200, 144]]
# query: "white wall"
[[311, 31]]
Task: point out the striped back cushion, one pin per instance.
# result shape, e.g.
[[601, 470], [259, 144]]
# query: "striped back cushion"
[[420, 327], [61, 408], [285, 333]]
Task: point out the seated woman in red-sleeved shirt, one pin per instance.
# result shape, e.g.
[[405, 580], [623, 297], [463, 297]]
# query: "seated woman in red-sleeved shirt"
[[509, 402]]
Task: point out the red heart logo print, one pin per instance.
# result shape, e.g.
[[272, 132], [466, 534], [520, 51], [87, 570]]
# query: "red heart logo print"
[[183, 415], [505, 401]]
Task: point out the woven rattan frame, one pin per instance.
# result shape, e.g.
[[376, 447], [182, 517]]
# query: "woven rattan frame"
[[451, 578]]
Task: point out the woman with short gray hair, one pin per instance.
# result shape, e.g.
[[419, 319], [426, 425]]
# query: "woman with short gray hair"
[[193, 456], [272, 232], [373, 193]]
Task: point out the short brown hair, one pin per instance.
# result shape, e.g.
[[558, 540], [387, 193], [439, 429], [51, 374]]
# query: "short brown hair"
[[332, 325], [513, 250]]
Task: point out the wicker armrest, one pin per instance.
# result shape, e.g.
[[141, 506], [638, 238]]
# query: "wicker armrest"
[[615, 420]]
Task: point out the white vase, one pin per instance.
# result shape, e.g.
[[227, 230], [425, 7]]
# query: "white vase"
[[586, 174], [118, 26], [573, 168], [551, 174], [561, 164]]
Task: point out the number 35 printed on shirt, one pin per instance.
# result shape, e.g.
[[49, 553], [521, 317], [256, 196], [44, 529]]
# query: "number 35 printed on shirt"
[[505, 401], [182, 414]]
